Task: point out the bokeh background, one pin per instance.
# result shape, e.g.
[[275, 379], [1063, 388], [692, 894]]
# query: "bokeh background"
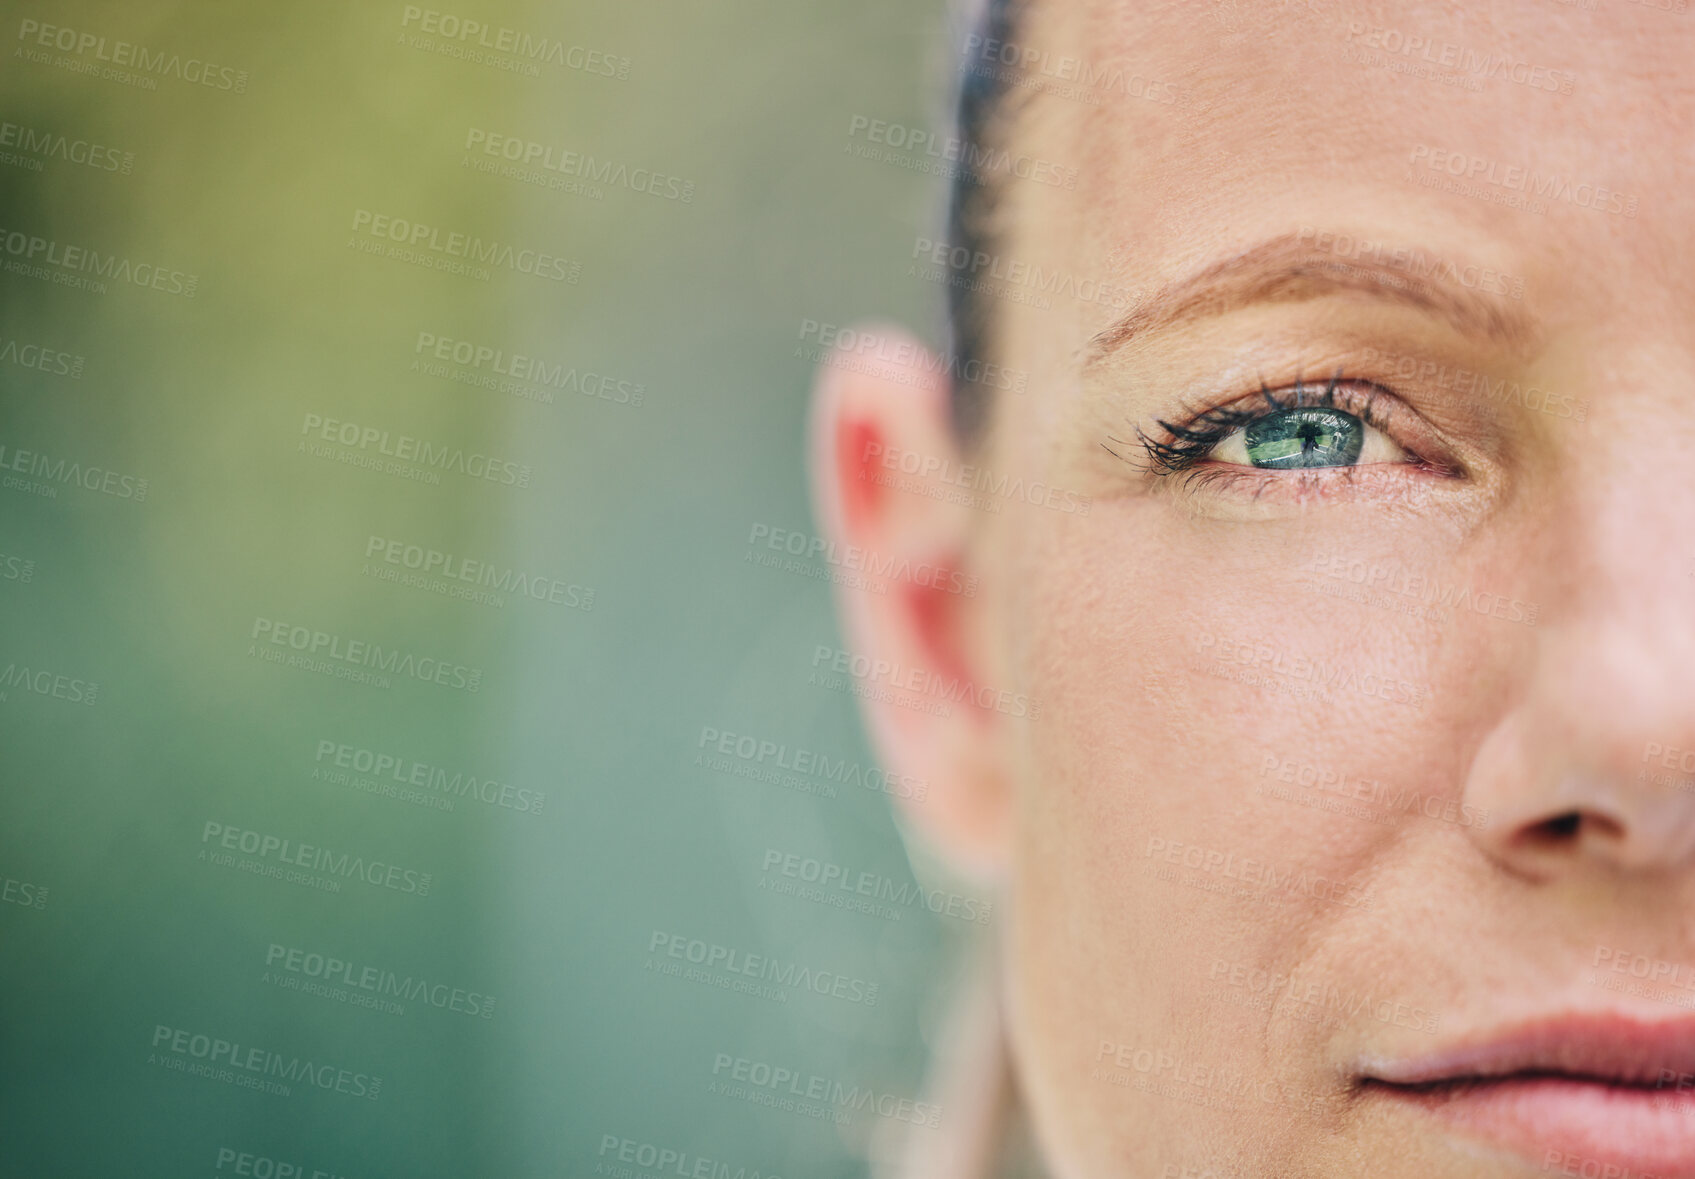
[[195, 280]]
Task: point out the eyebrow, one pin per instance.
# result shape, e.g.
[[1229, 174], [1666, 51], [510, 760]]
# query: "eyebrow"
[[1289, 269]]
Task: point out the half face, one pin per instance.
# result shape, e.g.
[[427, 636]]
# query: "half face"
[[1353, 797]]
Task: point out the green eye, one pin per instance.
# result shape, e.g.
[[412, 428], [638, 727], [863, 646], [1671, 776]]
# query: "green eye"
[[1303, 437], [1275, 435]]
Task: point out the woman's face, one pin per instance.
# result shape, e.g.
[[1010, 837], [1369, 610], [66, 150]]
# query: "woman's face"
[[1365, 704]]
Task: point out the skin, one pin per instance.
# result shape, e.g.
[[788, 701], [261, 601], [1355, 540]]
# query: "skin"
[[1115, 620]]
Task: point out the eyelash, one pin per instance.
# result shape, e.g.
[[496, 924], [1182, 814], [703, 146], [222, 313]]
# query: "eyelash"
[[1189, 442]]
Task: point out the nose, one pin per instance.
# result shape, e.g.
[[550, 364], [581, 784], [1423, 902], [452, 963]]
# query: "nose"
[[1585, 768], [1576, 777]]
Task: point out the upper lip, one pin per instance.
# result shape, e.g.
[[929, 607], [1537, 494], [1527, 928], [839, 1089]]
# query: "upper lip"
[[1608, 1048]]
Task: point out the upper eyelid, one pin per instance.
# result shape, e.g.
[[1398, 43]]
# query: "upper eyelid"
[[1265, 401], [1179, 451]]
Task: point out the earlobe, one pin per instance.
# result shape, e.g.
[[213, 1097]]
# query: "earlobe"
[[882, 446]]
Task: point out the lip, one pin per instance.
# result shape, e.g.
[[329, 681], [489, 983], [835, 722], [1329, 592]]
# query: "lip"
[[1563, 1091]]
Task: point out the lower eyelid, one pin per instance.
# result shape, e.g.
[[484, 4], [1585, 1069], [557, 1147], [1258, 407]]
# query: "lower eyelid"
[[1382, 483]]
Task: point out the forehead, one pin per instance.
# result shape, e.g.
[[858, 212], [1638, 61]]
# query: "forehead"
[[1526, 136]]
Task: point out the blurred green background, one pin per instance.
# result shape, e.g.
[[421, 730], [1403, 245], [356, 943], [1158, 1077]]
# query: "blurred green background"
[[137, 930]]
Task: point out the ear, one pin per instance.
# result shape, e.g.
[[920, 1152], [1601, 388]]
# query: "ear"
[[886, 476]]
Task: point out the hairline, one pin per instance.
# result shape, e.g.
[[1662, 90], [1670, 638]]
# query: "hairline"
[[972, 198]]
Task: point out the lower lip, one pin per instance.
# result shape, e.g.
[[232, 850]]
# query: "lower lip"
[[1569, 1126]]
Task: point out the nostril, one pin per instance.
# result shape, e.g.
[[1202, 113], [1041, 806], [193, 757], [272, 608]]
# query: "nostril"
[[1558, 831], [1567, 827]]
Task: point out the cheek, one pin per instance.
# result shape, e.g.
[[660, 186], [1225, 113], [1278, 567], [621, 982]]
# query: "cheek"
[[1180, 683], [1203, 685], [1212, 785]]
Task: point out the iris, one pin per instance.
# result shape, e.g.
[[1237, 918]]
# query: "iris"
[[1304, 437]]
